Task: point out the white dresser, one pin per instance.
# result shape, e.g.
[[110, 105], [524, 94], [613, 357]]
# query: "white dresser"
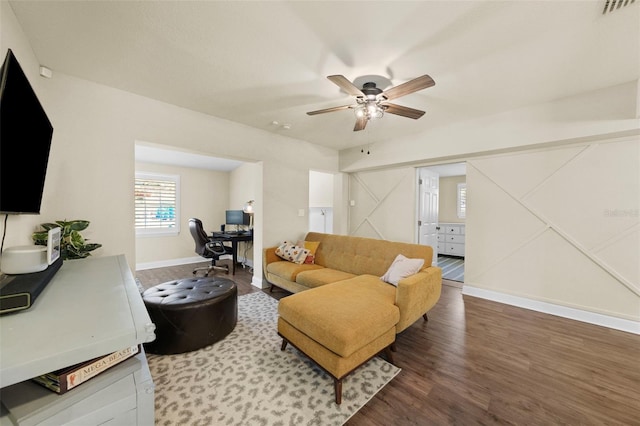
[[90, 308], [451, 239]]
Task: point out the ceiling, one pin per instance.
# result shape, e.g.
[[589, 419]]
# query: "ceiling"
[[264, 63]]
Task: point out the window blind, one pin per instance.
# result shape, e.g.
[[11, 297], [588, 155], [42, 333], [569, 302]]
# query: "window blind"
[[462, 200], [156, 203]]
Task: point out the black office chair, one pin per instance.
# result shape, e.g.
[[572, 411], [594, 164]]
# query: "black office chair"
[[207, 248]]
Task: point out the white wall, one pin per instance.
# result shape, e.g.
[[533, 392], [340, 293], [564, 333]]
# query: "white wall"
[[558, 225], [448, 199], [384, 204], [91, 166], [321, 198], [204, 195], [320, 189], [246, 184]]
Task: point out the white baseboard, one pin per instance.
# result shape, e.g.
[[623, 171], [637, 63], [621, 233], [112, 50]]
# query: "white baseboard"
[[557, 310], [182, 261], [169, 262], [259, 282]]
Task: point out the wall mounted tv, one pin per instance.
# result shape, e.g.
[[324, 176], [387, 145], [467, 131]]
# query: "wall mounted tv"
[[25, 141]]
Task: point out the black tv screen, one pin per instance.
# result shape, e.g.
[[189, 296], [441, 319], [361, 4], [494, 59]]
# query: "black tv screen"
[[25, 141], [237, 217]]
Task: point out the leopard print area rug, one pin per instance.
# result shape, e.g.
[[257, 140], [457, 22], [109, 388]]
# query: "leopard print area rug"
[[246, 380]]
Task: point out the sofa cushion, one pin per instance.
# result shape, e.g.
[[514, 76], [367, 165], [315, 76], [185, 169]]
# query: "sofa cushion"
[[317, 277], [289, 270], [343, 316]]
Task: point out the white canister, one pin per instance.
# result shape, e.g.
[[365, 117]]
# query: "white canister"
[[24, 259]]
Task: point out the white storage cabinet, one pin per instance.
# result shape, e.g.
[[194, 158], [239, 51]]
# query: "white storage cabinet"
[[90, 308], [451, 239]]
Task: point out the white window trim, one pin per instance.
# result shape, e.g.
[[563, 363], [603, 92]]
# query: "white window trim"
[[165, 232], [462, 214]]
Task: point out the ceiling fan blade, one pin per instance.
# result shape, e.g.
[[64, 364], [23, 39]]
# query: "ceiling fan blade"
[[361, 122], [402, 110], [409, 87], [322, 111], [342, 82]]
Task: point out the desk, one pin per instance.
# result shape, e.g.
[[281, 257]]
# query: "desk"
[[233, 239]]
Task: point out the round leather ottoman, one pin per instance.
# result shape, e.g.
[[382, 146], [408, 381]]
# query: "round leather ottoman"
[[191, 313]]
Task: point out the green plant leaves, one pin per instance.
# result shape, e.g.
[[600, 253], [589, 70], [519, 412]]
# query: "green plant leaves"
[[74, 225], [72, 244]]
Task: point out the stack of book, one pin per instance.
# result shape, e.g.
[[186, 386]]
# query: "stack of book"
[[65, 379]]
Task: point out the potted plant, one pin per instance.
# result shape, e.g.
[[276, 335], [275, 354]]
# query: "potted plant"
[[72, 244]]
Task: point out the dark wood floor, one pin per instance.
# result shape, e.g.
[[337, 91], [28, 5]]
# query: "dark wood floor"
[[481, 362]]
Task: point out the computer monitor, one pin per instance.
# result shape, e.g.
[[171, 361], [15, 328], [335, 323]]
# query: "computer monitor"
[[237, 217]]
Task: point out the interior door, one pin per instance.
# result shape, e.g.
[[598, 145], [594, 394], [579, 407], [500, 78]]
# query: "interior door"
[[428, 184]]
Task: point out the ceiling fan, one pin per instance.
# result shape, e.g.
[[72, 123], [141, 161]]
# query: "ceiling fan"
[[372, 102]]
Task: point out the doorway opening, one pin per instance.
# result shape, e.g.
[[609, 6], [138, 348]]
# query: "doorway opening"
[[442, 216], [321, 202]]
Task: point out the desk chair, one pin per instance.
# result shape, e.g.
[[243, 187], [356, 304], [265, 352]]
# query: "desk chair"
[[207, 248]]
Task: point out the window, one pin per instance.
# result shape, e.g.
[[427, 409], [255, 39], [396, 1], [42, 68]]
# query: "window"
[[462, 200], [157, 201]]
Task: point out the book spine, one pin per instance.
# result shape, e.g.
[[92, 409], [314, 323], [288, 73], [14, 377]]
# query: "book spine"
[[86, 372]]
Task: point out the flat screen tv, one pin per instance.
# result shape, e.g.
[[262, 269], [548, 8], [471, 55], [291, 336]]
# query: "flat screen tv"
[[237, 217], [25, 141]]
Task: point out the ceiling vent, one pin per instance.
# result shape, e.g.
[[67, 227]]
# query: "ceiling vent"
[[611, 5]]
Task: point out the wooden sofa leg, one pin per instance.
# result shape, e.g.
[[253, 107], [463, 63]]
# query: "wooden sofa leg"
[[337, 384], [426, 318], [271, 289], [284, 344], [393, 347], [388, 353]]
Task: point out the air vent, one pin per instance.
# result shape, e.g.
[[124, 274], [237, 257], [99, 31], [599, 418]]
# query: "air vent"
[[611, 5]]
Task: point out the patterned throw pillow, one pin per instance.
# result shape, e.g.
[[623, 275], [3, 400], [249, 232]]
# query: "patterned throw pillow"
[[292, 252]]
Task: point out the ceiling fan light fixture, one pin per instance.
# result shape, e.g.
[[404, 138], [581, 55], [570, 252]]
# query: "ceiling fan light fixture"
[[372, 102], [369, 110], [375, 111]]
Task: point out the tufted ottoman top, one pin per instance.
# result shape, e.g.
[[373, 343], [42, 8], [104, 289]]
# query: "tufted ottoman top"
[[189, 291], [191, 313]]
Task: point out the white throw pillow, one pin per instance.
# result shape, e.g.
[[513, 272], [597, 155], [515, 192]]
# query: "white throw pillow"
[[401, 267]]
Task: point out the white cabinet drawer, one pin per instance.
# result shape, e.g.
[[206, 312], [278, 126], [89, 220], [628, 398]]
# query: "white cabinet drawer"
[[454, 249], [452, 230], [451, 239], [459, 239]]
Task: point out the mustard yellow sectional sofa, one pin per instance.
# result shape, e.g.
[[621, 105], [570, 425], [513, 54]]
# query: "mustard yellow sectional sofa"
[[343, 313], [339, 258]]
